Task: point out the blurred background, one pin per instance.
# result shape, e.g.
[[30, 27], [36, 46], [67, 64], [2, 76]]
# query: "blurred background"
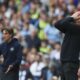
[[33, 24]]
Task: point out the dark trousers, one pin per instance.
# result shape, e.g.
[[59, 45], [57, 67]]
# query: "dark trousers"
[[9, 76], [70, 70]]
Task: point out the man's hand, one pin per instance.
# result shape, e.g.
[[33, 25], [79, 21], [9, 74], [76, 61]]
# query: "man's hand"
[[78, 72], [9, 68], [76, 15], [77, 22], [1, 59]]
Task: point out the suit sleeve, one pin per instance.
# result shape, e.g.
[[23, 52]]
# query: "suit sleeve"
[[68, 25]]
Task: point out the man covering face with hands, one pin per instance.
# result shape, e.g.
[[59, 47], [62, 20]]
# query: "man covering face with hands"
[[70, 26]]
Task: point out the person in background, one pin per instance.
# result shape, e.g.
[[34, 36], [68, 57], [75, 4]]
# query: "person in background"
[[32, 40], [36, 67], [44, 47], [46, 73]]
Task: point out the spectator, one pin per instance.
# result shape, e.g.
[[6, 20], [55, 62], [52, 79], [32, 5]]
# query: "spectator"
[[52, 34], [33, 40], [44, 47], [37, 67]]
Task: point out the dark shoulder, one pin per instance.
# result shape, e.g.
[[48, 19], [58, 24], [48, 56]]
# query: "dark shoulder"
[[3, 44], [15, 42]]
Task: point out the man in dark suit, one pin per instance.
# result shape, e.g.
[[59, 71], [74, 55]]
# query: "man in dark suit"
[[11, 51], [70, 26]]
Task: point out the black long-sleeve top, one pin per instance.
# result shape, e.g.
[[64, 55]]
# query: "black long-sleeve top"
[[71, 43]]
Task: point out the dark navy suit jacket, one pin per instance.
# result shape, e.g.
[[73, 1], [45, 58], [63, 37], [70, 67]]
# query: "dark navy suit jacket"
[[12, 53]]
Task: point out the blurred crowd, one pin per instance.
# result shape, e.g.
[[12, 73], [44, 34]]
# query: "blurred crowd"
[[33, 24]]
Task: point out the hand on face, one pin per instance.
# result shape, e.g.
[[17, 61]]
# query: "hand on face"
[[76, 16], [78, 22]]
